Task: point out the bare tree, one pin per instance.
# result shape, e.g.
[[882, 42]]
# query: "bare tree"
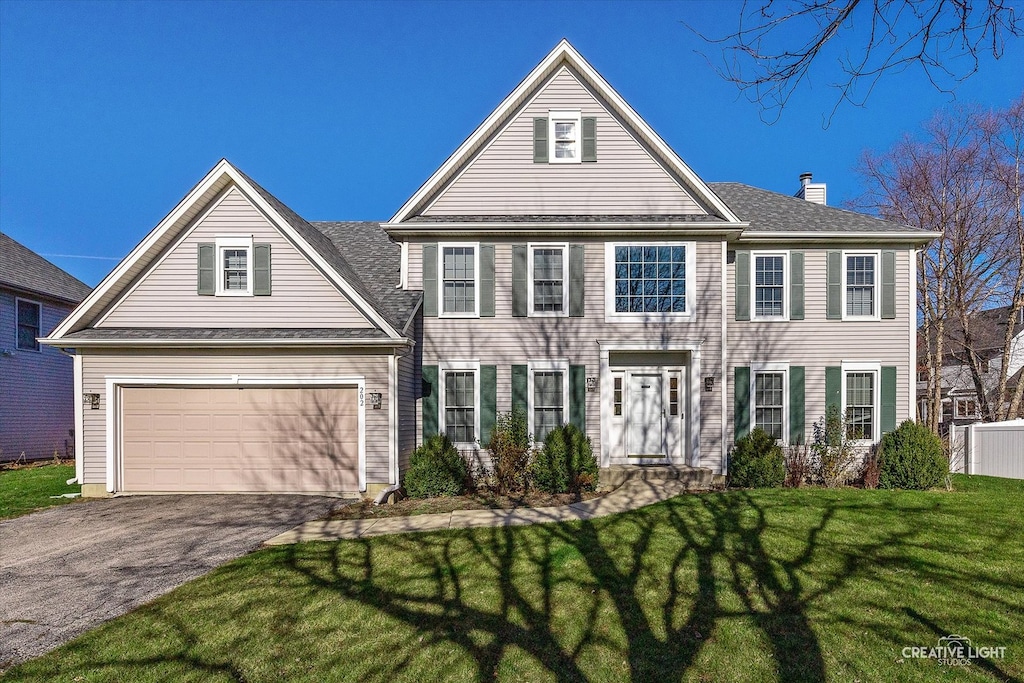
[[771, 52], [962, 177]]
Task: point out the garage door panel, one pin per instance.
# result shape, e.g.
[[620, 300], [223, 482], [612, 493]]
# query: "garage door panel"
[[227, 439]]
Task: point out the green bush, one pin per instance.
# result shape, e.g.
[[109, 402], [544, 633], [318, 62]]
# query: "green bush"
[[566, 464], [436, 469], [757, 462], [912, 458], [510, 451]]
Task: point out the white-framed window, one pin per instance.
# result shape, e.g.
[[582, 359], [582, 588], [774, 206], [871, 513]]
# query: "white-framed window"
[[234, 266], [966, 407], [548, 388], [565, 132], [860, 285], [548, 266], [459, 409], [769, 279], [861, 404], [650, 280], [459, 281], [29, 322], [769, 396]]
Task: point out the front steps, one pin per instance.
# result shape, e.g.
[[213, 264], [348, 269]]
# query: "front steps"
[[693, 478]]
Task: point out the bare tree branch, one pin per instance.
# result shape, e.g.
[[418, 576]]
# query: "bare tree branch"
[[777, 41]]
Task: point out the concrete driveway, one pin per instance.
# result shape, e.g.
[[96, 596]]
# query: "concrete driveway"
[[67, 569]]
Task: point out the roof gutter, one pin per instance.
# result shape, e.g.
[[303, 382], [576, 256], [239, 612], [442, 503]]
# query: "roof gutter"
[[903, 236], [224, 343], [702, 228]]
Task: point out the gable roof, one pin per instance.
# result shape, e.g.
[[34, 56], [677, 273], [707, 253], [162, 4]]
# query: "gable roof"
[[563, 54], [773, 215], [316, 246], [988, 329], [24, 270]]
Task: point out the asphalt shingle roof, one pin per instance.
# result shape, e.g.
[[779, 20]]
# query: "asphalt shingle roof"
[[213, 334], [574, 218], [773, 212], [23, 269]]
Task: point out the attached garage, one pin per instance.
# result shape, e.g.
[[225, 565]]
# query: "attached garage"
[[239, 438]]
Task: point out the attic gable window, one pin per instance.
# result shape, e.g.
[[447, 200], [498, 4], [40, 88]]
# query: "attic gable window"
[[234, 267], [564, 137]]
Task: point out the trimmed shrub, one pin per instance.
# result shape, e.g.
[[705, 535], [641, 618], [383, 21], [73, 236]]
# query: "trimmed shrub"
[[566, 464], [757, 462], [912, 458], [436, 469], [510, 452]]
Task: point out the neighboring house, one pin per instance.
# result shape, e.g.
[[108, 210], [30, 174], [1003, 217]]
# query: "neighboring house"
[[563, 261], [36, 414], [960, 401]]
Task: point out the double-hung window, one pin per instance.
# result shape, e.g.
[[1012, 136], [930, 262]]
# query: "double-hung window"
[[650, 281], [234, 266], [769, 278], [860, 286], [770, 393], [29, 315], [549, 397], [460, 273], [860, 394], [549, 279], [564, 135], [460, 395]]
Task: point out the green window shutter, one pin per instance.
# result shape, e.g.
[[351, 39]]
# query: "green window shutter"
[[431, 389], [261, 269], [796, 405], [834, 285], [888, 402], [833, 387], [540, 140], [576, 280], [206, 282], [741, 401], [796, 285], [589, 139], [578, 396], [888, 284], [488, 402], [520, 388], [486, 280], [520, 284], [430, 280], [743, 285]]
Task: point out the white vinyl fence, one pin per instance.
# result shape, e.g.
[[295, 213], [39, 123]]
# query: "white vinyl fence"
[[996, 449]]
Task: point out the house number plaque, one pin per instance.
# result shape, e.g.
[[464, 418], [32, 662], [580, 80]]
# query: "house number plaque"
[[591, 384], [709, 384]]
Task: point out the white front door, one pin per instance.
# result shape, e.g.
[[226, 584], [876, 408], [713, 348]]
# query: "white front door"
[[646, 418]]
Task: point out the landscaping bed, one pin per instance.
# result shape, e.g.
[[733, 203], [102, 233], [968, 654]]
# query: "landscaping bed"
[[482, 500]]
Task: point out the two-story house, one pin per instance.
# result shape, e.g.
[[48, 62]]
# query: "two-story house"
[[563, 261]]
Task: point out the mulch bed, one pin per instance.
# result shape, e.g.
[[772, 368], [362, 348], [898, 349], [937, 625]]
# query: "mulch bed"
[[481, 500]]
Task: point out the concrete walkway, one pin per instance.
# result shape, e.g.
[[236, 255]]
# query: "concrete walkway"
[[630, 496]]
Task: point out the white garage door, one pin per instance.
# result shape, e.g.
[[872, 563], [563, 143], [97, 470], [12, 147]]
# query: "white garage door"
[[240, 439]]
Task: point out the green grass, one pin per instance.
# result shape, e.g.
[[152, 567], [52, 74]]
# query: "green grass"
[[788, 585], [28, 488]]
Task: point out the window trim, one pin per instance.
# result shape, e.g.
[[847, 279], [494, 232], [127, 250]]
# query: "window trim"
[[957, 413], [876, 369], [533, 366], [441, 313], [786, 277], [773, 367], [611, 315], [443, 368], [530, 247], [876, 304], [220, 245], [37, 347], [563, 116]]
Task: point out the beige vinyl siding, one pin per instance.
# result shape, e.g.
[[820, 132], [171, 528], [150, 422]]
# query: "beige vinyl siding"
[[505, 341], [302, 297], [36, 409], [817, 342], [99, 364], [503, 179]]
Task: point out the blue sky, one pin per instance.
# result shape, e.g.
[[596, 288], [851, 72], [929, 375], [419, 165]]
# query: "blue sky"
[[111, 112]]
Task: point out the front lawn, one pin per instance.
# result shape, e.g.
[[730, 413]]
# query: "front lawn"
[[26, 488], [789, 585]]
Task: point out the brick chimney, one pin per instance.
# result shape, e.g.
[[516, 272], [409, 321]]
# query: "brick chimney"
[[812, 192]]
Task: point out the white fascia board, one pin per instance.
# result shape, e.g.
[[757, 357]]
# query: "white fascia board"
[[143, 247], [731, 231], [567, 53], [832, 236], [206, 343]]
